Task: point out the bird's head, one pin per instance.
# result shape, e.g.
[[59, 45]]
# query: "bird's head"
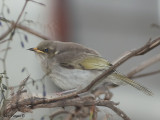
[[45, 49]]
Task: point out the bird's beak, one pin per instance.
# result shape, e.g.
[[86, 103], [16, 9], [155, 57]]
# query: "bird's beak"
[[31, 49], [35, 50]]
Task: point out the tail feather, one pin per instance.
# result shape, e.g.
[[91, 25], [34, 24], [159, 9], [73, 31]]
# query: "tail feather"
[[133, 83]]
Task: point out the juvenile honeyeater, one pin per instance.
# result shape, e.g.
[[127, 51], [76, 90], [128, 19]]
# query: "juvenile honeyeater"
[[73, 66]]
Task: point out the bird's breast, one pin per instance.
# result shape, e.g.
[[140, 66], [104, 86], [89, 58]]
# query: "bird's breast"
[[71, 78], [68, 79]]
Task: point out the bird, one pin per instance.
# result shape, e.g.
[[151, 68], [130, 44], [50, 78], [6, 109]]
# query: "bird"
[[74, 66]]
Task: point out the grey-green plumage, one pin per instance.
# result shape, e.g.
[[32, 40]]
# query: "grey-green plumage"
[[69, 63]]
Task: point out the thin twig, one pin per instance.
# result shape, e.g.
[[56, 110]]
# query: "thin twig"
[[14, 25], [12, 31], [37, 2], [144, 65], [27, 29], [22, 84], [3, 50], [7, 32], [146, 74]]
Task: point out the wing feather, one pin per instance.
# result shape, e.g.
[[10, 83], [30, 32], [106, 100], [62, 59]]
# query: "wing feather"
[[88, 62], [76, 56]]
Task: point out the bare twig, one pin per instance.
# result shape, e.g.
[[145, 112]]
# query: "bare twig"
[[7, 32], [15, 98], [150, 46], [146, 74], [6, 52], [27, 29], [14, 25], [3, 50], [37, 2], [144, 65], [3, 41], [22, 84]]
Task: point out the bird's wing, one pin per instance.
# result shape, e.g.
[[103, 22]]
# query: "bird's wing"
[[94, 62], [76, 56], [86, 62]]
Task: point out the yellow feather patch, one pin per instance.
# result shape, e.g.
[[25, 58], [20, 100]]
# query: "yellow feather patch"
[[94, 62]]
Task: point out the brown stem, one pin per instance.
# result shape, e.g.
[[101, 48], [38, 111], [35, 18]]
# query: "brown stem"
[[144, 65], [14, 25], [27, 29], [147, 74]]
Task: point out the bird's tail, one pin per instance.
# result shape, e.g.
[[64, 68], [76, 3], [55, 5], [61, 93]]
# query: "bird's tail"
[[132, 83]]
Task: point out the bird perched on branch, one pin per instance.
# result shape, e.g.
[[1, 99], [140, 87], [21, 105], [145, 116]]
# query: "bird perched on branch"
[[70, 65]]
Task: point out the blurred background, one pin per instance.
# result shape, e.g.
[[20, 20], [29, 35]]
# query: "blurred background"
[[111, 27]]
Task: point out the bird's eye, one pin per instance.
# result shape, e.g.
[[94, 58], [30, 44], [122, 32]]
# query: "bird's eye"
[[46, 50]]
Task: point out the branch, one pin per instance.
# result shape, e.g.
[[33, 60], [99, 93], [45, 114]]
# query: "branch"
[[15, 98], [79, 102], [7, 32], [13, 28], [146, 74], [14, 25], [144, 65], [25, 28], [22, 84], [38, 2], [85, 102]]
